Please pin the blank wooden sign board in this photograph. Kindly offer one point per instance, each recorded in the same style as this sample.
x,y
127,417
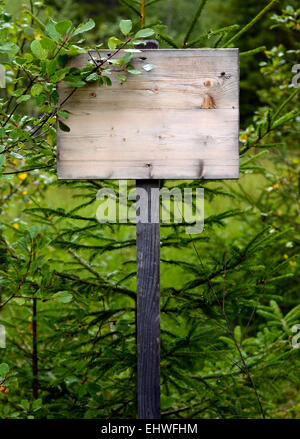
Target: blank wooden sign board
x,y
179,119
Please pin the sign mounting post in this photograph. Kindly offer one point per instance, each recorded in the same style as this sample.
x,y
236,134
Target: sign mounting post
x,y
148,306
148,297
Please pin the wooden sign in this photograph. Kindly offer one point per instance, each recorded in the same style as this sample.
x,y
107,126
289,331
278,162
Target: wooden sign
x,y
179,119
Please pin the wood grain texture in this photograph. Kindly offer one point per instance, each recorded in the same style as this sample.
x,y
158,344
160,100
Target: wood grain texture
x,y
148,308
180,120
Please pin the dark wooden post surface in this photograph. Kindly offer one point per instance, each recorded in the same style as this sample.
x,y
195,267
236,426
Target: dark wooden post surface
x,y
148,307
148,299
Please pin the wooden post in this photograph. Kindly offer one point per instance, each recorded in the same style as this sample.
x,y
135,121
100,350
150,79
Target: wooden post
x,y
148,307
148,298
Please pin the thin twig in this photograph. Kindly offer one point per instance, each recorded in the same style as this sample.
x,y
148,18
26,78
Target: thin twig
x,y
7,300
142,14
26,170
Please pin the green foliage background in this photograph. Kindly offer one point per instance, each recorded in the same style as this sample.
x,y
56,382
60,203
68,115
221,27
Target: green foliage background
x,y
230,296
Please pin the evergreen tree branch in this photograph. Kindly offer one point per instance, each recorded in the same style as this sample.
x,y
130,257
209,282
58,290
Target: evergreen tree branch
x,y
252,23
281,107
230,331
194,21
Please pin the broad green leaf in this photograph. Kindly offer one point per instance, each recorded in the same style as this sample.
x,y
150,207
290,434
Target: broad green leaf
x,y
64,127
122,78
75,50
48,44
19,92
113,43
127,57
125,26
84,27
23,98
63,27
92,77
59,75
36,89
133,71
20,60
55,97
62,60
38,50
9,48
75,82
138,42
144,33
50,67
4,369
63,114
51,31
107,80
117,62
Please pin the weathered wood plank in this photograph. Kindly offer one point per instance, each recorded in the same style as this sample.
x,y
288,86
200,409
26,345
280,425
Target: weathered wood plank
x,y
148,309
185,108
165,170
199,150
176,81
